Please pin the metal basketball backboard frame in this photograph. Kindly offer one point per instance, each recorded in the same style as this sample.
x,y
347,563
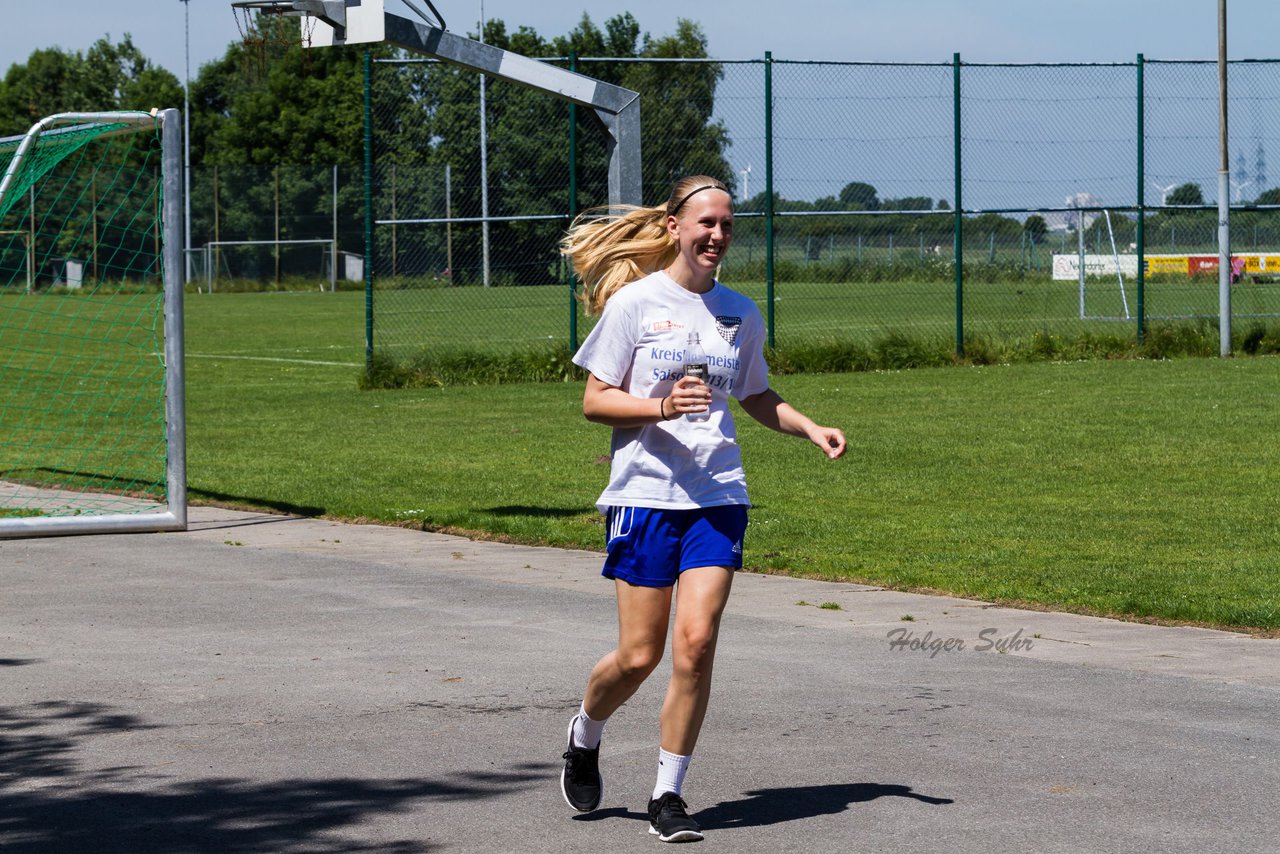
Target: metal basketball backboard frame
x,y
339,22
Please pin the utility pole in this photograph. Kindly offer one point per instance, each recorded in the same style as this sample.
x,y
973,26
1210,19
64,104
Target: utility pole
x,y
1224,194
186,149
484,167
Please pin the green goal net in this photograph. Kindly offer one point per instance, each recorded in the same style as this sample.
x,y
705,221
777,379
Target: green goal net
x,y
91,380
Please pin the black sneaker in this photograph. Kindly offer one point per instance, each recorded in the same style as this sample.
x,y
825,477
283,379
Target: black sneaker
x,y
669,819
580,781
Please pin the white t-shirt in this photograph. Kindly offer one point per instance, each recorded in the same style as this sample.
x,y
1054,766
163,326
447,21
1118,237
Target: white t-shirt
x,y
638,346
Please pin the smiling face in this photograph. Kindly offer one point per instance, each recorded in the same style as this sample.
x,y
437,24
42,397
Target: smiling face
x,y
702,230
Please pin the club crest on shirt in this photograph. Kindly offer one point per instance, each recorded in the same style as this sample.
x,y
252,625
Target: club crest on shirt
x,y
728,327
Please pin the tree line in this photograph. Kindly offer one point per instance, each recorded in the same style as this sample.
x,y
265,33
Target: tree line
x,y
268,103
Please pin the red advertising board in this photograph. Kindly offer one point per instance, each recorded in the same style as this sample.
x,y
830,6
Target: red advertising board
x,y
1209,264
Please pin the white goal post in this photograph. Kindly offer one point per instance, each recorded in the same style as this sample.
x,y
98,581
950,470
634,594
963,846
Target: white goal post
x,y
93,391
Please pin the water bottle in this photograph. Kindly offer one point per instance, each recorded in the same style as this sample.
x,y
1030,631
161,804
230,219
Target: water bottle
x,y
695,365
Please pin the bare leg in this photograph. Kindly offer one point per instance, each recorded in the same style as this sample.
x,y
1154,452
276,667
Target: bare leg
x,y
643,614
701,595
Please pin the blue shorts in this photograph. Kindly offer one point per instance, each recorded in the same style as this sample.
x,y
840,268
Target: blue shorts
x,y
650,548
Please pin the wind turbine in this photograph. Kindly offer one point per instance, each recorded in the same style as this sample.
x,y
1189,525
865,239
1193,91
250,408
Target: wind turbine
x,y
1164,191
746,182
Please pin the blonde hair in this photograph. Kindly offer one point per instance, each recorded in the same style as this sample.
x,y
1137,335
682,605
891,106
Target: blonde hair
x,y
611,247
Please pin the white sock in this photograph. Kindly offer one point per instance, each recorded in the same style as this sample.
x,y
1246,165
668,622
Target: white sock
x,y
671,769
587,732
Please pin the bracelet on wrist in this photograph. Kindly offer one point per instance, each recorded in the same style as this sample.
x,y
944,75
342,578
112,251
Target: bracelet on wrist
x,y
662,409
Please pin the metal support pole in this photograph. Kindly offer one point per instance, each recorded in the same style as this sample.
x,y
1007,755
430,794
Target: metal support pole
x,y
93,216
573,206
618,109
31,225
333,270
275,179
448,226
368,209
959,214
395,245
186,148
1224,194
1080,256
484,167
768,191
174,352
1142,208
212,261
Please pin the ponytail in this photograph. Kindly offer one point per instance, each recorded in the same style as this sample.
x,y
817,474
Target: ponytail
x,y
610,250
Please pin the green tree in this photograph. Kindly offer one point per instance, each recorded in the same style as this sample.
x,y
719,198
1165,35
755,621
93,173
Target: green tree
x,y
858,196
269,123
289,105
106,77
1035,227
1268,197
1186,194
528,149
1123,229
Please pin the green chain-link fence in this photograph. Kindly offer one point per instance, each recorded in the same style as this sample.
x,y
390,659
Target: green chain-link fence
x,y
857,186
266,226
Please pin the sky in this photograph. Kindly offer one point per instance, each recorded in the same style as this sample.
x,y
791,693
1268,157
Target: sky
x,y
1089,147
880,30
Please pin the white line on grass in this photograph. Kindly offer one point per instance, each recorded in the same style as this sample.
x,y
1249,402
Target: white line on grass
x,y
272,359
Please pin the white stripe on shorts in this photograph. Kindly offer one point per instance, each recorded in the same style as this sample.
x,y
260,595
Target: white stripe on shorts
x,y
620,521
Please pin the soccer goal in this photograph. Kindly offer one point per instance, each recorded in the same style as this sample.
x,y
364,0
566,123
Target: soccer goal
x,y
1101,300
266,260
92,411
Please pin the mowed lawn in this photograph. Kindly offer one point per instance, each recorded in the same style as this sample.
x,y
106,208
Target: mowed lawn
x,y
1145,489
440,320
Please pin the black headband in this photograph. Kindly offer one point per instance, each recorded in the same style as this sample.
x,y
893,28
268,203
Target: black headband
x,y
693,192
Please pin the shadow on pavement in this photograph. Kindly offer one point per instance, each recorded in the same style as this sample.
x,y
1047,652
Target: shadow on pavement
x,y
775,806
49,804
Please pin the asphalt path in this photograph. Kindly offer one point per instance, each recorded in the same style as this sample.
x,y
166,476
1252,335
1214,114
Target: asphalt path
x,y
265,683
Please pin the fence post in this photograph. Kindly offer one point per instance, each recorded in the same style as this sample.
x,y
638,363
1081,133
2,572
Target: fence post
x,y
573,206
333,267
1224,194
212,258
959,215
368,209
275,180
1142,209
768,192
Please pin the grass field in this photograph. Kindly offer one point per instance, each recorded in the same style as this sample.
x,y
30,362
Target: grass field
x,y
81,399
441,320
1144,489
1136,488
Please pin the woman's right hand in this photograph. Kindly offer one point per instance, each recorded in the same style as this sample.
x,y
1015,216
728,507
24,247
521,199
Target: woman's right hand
x,y
689,394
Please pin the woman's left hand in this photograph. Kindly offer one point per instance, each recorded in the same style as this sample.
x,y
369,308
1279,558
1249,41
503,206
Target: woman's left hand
x,y
829,439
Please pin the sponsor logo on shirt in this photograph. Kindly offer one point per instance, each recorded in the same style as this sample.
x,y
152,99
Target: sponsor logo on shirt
x,y
728,327
667,325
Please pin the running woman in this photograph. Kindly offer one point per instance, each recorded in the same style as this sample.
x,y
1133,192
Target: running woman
x,y
676,503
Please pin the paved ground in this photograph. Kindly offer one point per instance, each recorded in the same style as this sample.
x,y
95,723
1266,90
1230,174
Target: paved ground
x,y
263,683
